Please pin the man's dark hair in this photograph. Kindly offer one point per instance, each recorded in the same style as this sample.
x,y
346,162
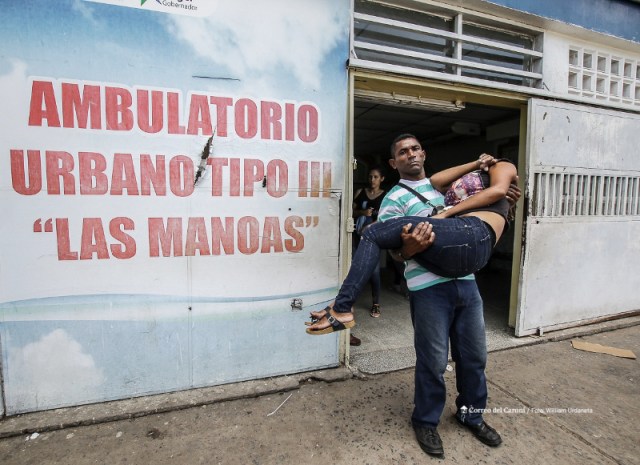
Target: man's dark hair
x,y
398,139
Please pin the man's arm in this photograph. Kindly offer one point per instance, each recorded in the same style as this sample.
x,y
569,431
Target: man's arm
x,y
415,241
514,192
421,238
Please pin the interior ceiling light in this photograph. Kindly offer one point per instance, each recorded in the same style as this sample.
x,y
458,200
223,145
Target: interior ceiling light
x,y
408,101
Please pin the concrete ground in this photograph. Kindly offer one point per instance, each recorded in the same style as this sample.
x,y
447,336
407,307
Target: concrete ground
x,y
552,404
387,341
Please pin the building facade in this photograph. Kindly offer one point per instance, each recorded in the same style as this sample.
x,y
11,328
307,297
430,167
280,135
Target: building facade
x,y
177,175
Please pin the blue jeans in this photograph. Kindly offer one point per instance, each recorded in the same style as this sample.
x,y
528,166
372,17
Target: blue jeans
x,y
463,246
448,311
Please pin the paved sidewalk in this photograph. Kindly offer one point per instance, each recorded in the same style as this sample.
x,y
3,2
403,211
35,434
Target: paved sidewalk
x,y
552,404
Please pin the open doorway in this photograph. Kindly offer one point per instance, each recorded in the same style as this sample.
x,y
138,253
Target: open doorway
x,y
450,135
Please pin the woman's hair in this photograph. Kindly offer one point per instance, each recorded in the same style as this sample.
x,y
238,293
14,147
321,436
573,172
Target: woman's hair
x,y
377,168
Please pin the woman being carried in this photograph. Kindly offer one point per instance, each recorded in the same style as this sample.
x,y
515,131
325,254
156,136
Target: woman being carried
x,y
474,219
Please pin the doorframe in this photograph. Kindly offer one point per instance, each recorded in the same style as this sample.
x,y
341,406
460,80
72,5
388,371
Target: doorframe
x,y
426,88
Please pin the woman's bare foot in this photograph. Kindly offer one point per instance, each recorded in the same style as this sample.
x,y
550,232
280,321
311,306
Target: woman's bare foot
x,y
315,317
321,324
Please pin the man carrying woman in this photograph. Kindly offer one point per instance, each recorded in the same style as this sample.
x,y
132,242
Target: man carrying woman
x,y
444,300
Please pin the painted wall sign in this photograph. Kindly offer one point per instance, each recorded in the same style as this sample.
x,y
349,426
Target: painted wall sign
x,y
169,182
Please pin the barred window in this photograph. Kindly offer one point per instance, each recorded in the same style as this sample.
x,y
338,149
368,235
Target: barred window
x,y
563,194
415,38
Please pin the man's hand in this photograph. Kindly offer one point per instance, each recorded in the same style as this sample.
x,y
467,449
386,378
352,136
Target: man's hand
x,y
413,242
514,193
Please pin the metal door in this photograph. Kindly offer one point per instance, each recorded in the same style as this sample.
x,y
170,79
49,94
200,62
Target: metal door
x,y
581,248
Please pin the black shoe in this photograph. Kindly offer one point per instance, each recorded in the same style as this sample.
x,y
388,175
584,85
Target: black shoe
x,y
485,433
429,440
354,341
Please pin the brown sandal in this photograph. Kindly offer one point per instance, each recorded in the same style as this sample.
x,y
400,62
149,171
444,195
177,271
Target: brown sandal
x,y
375,311
334,324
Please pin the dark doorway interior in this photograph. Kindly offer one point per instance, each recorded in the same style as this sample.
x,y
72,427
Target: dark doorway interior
x,y
449,138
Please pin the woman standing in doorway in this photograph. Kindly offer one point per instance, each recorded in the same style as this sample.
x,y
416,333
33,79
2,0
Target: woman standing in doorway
x,y
366,204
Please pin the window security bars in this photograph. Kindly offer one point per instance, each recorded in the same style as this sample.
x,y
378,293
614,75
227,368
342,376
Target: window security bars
x,y
416,38
563,195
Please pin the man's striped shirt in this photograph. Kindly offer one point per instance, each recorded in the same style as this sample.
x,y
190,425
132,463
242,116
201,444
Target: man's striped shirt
x,y
401,202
